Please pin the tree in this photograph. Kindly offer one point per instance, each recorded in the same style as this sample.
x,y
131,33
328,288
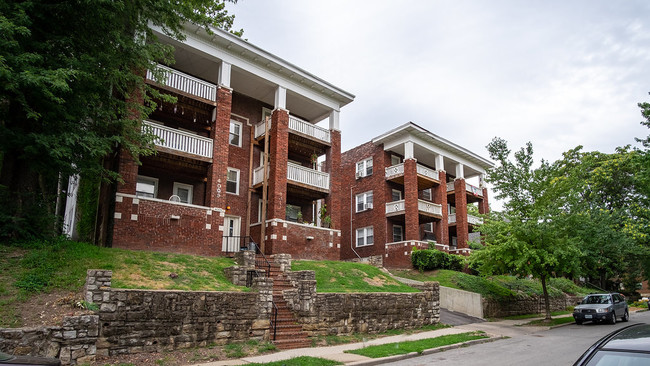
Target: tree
x,y
529,237
71,91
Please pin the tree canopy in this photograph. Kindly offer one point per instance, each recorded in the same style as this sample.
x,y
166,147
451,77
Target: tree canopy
x,y
70,92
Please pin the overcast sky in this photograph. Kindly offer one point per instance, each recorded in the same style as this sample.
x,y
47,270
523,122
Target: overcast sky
x,y
556,73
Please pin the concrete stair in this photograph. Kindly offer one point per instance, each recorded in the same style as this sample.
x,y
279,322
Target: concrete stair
x,y
288,332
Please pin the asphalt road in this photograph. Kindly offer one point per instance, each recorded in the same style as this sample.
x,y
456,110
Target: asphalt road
x,y
557,347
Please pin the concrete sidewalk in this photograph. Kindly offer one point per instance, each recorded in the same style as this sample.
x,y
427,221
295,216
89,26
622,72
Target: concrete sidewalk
x,y
496,330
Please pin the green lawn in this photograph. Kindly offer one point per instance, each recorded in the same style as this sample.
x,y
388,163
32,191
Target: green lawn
x,y
494,287
334,276
401,348
299,361
60,264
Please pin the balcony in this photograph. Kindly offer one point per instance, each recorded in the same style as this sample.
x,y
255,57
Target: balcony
x,y
476,191
299,175
179,142
185,84
300,127
425,208
472,220
427,177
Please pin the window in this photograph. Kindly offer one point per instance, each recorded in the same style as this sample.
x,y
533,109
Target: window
x,y
235,133
396,195
364,168
426,194
232,183
428,227
364,201
146,187
292,213
394,160
365,236
183,191
398,233
259,210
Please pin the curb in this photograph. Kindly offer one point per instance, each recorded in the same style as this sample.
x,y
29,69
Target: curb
x,y
379,361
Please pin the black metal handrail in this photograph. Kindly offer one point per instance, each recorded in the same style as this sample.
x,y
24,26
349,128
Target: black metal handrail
x,y
261,262
274,319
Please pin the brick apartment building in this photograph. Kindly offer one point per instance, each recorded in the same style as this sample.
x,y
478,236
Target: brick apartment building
x,y
202,193
408,187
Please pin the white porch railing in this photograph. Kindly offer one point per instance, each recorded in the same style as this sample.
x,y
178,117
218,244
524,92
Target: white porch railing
x,y
473,189
186,83
470,219
300,174
429,207
394,171
309,129
300,126
450,186
395,207
182,141
258,175
429,173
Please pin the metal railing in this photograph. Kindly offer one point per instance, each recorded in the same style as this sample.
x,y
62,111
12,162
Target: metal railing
x,y
274,319
182,141
185,83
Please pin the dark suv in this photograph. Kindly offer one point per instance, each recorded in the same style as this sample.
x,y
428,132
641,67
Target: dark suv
x,y
598,307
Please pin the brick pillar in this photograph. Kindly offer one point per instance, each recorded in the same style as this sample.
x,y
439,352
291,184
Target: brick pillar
x,y
277,183
218,170
483,206
333,201
128,170
440,196
461,213
412,220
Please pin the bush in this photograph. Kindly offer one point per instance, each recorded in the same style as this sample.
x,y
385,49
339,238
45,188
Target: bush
x,y
430,259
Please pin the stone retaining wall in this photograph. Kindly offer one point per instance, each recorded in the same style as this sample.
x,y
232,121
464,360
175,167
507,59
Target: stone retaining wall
x,y
526,305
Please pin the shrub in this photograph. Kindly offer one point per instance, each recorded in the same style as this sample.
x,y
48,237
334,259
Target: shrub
x,y
430,259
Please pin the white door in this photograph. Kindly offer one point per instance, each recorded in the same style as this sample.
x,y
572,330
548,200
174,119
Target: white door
x,y
231,234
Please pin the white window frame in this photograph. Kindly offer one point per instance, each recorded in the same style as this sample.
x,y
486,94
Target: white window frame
x,y
401,233
393,191
190,191
428,227
236,183
144,179
266,112
427,192
365,233
363,167
259,210
365,199
241,132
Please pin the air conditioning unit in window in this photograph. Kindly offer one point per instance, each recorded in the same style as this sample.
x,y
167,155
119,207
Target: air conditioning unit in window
x,y
368,206
358,175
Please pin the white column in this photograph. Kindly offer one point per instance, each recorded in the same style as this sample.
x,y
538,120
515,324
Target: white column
x,y
280,98
224,74
460,171
481,180
440,163
334,120
408,150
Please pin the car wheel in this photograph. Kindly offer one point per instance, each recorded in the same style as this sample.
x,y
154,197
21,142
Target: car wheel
x,y
626,316
613,319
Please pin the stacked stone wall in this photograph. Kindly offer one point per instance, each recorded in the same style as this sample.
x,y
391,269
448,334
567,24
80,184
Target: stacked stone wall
x,y
526,305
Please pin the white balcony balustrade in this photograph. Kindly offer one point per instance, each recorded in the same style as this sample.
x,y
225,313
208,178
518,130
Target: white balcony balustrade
x,y
429,208
427,172
185,83
185,142
473,189
394,171
298,174
303,175
450,186
473,220
395,207
297,125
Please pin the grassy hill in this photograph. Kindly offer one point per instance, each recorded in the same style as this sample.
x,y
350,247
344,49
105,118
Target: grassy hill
x,y
495,287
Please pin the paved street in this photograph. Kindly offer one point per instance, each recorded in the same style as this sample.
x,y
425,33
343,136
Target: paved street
x,y
527,346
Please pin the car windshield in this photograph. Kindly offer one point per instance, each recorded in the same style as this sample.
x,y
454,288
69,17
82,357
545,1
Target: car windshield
x,y
596,299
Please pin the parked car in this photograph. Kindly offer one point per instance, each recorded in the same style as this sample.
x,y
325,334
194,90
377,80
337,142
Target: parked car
x,y
628,346
599,307
6,359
